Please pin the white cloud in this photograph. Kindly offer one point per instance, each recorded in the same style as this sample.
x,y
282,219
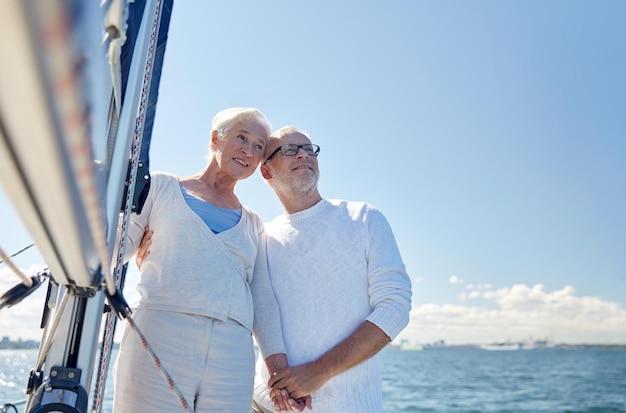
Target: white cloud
x,y
455,280
520,312
485,314
478,287
474,294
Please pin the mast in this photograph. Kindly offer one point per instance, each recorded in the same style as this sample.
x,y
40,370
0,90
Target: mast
x,y
75,125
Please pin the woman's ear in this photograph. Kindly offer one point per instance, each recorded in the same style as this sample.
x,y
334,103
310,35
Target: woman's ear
x,y
213,140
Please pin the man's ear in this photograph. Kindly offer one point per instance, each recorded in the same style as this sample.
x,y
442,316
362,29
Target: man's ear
x,y
265,171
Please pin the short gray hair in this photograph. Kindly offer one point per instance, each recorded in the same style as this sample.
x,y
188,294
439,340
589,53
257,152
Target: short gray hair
x,y
226,118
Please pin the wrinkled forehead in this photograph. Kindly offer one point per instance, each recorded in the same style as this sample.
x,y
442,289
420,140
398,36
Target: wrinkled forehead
x,y
289,137
250,127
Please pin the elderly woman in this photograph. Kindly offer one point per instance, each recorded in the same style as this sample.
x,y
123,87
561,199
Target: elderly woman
x,y
196,289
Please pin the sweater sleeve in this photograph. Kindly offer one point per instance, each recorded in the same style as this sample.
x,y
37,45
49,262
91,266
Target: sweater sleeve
x,y
389,284
138,222
267,328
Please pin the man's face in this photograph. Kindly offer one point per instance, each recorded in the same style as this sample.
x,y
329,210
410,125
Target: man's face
x,y
296,174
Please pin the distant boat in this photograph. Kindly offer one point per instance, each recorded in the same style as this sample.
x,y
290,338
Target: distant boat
x,y
406,345
501,346
538,344
411,347
520,345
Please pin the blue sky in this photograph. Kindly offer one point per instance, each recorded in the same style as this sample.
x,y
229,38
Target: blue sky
x,y
491,134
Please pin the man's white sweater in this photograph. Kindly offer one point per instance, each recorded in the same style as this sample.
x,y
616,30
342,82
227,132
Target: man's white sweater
x,y
332,267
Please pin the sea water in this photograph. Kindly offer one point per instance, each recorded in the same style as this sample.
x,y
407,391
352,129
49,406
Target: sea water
x,y
476,381
450,380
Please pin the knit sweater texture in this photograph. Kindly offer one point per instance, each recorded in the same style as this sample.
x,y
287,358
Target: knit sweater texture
x,y
332,267
192,270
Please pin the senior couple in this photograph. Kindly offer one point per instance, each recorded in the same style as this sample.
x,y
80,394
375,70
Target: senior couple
x,y
322,286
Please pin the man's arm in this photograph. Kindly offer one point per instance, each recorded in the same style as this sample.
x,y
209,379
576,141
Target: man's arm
x,y
367,340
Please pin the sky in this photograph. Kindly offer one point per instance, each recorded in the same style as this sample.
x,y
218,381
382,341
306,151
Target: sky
x,y
491,134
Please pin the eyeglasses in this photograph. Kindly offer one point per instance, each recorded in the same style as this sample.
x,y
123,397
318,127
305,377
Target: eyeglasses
x,y
292,149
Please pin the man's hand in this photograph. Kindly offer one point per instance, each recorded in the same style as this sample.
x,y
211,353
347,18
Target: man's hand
x,y
144,247
300,381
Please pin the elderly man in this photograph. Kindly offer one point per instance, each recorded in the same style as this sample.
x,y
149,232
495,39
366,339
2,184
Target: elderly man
x,y
340,283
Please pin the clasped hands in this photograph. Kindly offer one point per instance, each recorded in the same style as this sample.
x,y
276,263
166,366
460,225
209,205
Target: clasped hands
x,y
291,387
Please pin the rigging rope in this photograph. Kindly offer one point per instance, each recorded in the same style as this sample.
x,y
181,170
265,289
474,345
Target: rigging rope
x,y
5,408
15,254
7,260
157,363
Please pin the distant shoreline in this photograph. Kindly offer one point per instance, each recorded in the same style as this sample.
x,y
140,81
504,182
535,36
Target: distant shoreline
x,y
559,346
6,344
33,345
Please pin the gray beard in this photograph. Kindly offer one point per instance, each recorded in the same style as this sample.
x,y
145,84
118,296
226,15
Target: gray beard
x,y
299,186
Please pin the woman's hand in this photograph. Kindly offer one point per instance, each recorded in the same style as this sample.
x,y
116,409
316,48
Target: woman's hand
x,y
284,402
144,247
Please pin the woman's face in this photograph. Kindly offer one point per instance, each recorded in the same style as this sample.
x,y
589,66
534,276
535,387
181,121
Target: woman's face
x,y
241,149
